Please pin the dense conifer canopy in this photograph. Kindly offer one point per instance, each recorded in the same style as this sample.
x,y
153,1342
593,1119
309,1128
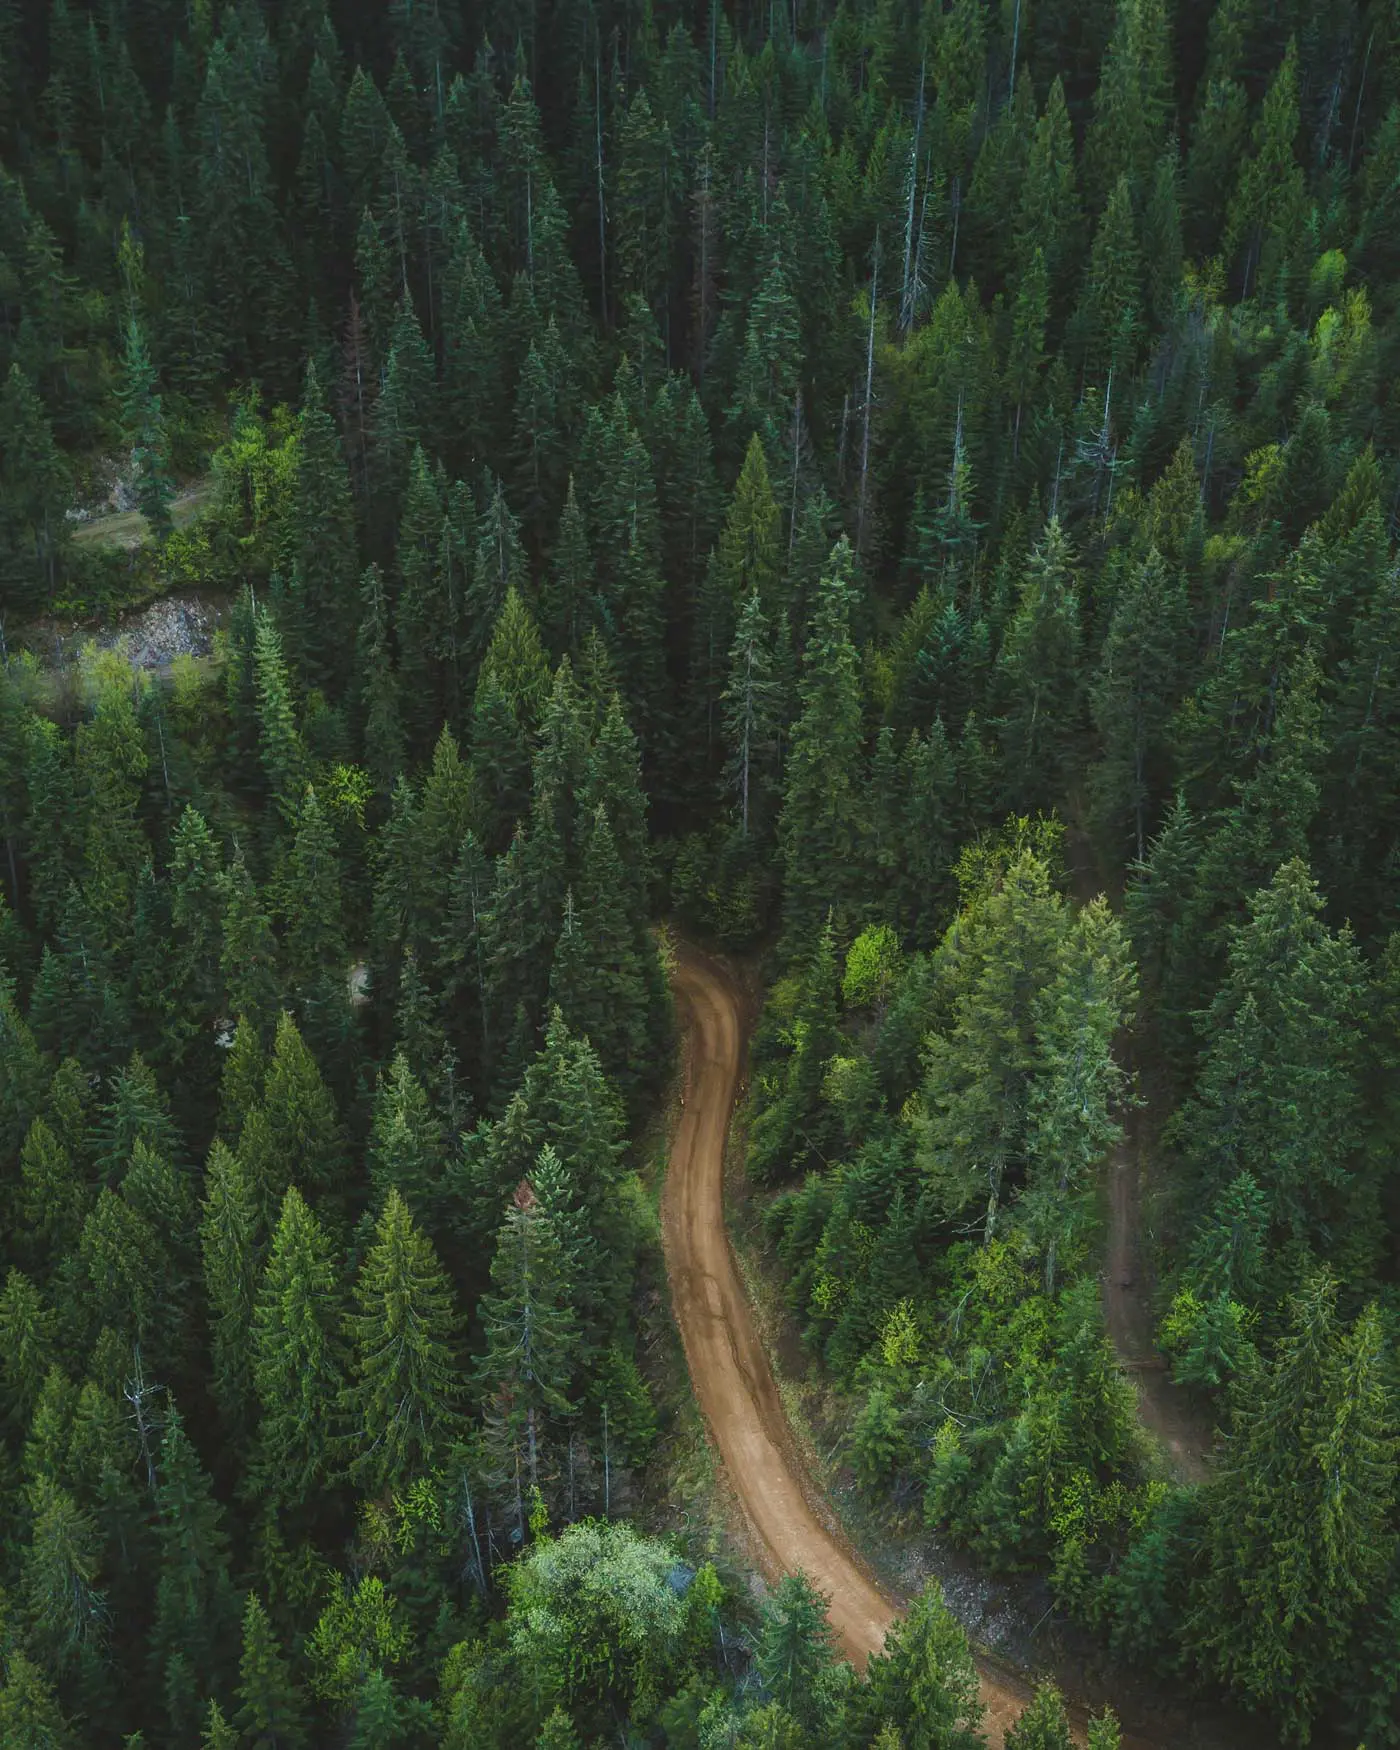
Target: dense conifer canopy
x,y
903,493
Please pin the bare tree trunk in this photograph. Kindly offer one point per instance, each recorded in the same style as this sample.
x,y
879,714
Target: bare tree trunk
x,y
796,453
704,292
746,743
598,162
714,10
136,1391
994,1173
957,215
478,1563
1360,93
863,501
906,301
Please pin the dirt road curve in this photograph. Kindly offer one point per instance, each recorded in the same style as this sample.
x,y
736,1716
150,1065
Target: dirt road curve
x,y
729,1368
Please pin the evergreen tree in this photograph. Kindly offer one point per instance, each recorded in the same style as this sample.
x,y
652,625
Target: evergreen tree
x,y
418,611
1109,319
998,958
145,432
323,520
1048,216
30,1717
1039,673
405,414
310,905
769,376
297,1363
196,1611
1044,1725
1267,208
746,560
126,1279
376,685
1297,1535
1278,1094
796,1128
406,1150
284,756
294,1133
193,948
401,1400
531,1344
1133,697
240,1086
563,1102
566,596
924,1683
60,1566
795,1655
53,1197
819,831
27,1331
270,1710
33,494
511,690
596,980
248,960
752,704
229,1239
1133,104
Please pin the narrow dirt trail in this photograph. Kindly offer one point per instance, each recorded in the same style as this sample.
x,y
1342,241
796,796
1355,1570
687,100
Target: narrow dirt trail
x,y
729,1367
1164,1409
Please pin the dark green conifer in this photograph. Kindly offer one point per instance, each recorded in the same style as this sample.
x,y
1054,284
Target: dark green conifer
x,y
401,1403
193,1636
823,810
271,1714
298,1362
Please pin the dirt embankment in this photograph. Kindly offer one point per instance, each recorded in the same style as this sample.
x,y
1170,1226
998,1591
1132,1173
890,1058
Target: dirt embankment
x,y
182,623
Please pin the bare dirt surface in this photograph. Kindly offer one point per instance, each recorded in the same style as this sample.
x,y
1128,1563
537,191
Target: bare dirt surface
x,y
789,1523
180,624
1164,1409
729,1367
1183,1433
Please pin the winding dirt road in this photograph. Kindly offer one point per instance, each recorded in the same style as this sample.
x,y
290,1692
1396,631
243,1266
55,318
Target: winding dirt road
x,y
729,1368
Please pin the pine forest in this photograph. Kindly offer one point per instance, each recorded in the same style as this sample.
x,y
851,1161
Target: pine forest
x,y
567,566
